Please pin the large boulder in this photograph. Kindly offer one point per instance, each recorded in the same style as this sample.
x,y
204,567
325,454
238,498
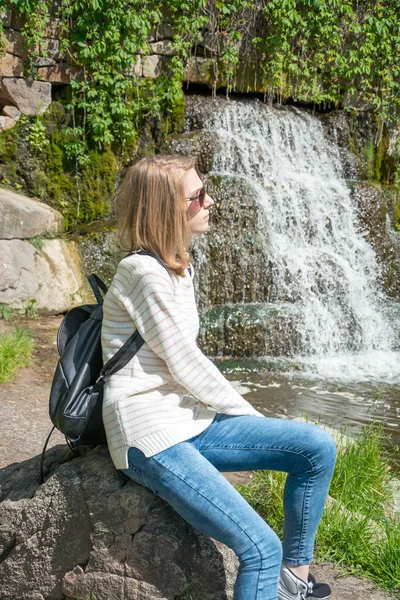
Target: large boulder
x,y
23,217
89,531
51,274
30,97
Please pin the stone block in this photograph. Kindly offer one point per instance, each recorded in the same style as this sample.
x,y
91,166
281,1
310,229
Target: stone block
x,y
137,68
23,217
199,70
51,275
152,66
60,73
18,20
14,43
53,48
11,66
44,61
30,97
53,29
6,123
49,48
6,17
164,31
12,112
163,47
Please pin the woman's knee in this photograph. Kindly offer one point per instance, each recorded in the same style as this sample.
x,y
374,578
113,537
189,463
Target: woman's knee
x,y
267,550
323,448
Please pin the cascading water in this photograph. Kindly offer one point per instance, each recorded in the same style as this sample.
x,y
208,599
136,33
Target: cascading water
x,y
319,257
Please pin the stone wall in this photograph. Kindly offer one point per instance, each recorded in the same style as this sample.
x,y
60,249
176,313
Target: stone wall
x,y
37,266
53,67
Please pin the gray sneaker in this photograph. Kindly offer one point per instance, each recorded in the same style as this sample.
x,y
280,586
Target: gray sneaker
x,y
292,587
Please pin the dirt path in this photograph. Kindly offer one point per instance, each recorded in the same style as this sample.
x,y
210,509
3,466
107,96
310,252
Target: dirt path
x,y
25,424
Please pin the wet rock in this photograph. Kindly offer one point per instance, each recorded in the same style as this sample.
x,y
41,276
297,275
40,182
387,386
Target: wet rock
x,y
249,330
99,251
30,97
200,70
91,530
50,274
23,217
202,145
337,129
376,208
231,262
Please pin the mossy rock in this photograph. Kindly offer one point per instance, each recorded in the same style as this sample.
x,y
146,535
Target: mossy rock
x,y
377,214
99,251
250,330
44,169
232,259
202,145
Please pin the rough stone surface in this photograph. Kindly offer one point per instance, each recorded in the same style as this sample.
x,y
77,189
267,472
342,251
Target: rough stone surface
x,y
164,47
60,73
376,208
90,530
6,123
137,68
44,61
200,70
30,97
12,112
14,42
202,145
23,217
53,28
11,66
18,20
6,17
152,66
52,276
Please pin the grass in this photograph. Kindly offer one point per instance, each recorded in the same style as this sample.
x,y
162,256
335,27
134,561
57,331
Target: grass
x,y
359,529
6,312
15,351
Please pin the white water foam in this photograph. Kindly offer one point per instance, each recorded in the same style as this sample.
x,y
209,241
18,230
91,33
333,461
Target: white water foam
x,y
321,260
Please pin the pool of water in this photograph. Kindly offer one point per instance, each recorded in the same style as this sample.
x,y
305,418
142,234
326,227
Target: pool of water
x,y
337,403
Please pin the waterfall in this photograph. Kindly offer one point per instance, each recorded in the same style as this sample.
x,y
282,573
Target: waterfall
x,y
318,256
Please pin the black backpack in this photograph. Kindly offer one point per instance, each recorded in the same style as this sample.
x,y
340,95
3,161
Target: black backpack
x,y
76,396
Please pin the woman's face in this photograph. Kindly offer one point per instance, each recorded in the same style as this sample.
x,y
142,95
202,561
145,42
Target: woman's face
x,y
198,223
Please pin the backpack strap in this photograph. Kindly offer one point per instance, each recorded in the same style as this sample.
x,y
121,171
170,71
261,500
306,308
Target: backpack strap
x,y
122,357
95,284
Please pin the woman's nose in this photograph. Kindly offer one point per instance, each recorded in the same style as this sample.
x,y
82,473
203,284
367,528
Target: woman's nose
x,y
208,201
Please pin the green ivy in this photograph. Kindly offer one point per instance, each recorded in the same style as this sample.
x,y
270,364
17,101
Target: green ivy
x,y
308,50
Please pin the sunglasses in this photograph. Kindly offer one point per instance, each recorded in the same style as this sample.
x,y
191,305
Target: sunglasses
x,y
196,201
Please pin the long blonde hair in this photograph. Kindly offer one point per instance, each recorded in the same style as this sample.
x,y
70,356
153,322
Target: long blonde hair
x,y
151,210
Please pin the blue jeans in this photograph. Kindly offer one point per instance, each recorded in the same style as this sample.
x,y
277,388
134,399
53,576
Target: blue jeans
x,y
188,477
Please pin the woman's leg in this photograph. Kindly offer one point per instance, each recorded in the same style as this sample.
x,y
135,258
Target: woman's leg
x,y
205,499
305,451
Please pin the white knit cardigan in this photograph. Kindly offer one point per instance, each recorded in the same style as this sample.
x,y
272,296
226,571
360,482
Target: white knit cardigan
x,y
165,393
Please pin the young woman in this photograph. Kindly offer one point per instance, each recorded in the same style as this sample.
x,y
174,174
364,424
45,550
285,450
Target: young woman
x,y
173,422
